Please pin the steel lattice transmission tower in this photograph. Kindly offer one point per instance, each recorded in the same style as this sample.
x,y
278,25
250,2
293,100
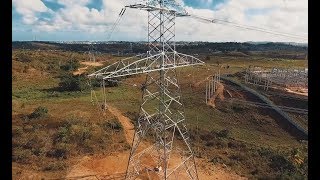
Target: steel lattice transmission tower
x,y
161,112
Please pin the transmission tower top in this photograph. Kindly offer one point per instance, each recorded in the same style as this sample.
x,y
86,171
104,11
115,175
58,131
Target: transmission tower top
x,y
169,6
162,54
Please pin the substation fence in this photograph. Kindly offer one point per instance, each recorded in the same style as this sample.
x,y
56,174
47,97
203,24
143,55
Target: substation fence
x,y
281,77
269,102
270,93
212,85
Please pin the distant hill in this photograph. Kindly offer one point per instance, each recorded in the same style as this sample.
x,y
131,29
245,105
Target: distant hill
x,y
287,43
269,49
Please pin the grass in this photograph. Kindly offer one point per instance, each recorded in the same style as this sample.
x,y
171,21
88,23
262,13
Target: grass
x,y
34,86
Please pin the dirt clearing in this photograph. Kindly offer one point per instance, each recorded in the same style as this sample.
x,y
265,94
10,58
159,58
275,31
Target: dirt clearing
x,y
87,64
114,166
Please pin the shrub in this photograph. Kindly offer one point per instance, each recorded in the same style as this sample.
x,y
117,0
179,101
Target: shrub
x,y
236,145
39,112
265,152
218,159
75,132
69,82
25,69
34,142
21,155
112,83
82,136
17,130
281,164
24,58
237,108
53,67
55,166
60,150
112,124
208,136
290,175
223,133
71,65
210,143
238,156
62,135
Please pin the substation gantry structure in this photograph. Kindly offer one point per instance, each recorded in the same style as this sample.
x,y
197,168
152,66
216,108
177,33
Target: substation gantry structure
x,y
161,112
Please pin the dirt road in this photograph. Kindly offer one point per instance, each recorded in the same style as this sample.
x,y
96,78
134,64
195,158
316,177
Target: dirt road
x,y
126,123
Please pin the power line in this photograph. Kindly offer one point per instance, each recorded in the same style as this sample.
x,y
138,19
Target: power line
x,y
123,10
246,27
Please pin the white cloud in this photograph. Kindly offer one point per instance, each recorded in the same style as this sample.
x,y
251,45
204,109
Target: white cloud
x,y
290,17
74,2
29,8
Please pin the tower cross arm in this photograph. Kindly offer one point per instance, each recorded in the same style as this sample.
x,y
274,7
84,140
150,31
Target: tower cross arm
x,y
167,7
146,65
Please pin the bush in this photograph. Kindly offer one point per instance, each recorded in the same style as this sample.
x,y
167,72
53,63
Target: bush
x,y
236,145
40,112
281,164
75,132
55,166
208,136
112,124
17,131
265,152
237,108
223,133
24,58
21,155
71,65
34,142
53,67
60,150
69,82
76,136
239,156
290,175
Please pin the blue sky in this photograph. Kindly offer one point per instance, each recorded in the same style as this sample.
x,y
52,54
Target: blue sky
x,y
204,4
58,20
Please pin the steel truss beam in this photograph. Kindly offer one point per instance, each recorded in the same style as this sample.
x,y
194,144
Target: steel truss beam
x,y
149,64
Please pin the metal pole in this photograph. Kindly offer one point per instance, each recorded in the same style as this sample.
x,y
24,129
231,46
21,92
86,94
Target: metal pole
x,y
209,90
214,83
206,93
104,95
212,90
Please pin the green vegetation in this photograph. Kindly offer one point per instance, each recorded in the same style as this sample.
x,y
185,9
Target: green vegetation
x,y
70,82
24,58
40,112
251,159
243,138
71,65
55,166
113,124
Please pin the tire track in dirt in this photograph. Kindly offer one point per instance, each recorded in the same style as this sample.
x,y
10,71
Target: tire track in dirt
x,y
128,127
